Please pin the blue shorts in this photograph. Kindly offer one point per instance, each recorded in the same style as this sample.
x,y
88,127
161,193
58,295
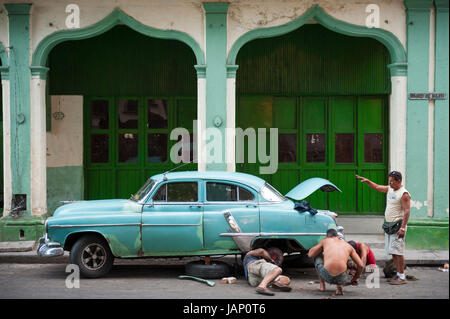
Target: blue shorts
x,y
340,279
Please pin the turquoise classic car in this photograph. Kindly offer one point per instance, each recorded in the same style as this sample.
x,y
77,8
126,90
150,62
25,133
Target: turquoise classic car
x,y
187,214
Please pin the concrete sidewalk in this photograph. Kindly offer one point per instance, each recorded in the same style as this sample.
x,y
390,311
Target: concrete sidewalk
x,y
366,229
376,242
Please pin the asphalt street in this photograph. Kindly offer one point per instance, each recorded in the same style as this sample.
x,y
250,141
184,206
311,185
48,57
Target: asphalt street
x,y
49,281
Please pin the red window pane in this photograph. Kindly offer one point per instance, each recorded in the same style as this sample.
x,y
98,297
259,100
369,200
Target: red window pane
x,y
315,148
373,148
344,148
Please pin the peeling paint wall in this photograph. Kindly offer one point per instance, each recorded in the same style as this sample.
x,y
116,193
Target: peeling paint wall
x,y
65,140
50,16
65,177
244,16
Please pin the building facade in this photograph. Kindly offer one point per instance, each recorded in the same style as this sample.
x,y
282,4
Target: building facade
x,y
94,93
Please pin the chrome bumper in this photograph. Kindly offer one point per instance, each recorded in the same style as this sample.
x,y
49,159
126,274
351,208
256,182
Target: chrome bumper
x,y
49,249
340,231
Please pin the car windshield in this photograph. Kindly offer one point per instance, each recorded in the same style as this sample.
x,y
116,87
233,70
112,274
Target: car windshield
x,y
144,190
271,194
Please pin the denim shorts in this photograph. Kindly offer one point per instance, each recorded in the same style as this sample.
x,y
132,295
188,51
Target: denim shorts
x,y
340,279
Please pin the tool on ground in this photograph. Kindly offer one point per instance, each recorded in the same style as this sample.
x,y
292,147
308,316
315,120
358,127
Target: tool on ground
x,y
208,282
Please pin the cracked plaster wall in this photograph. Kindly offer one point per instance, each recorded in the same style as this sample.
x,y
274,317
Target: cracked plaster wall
x,y
188,15
244,16
50,16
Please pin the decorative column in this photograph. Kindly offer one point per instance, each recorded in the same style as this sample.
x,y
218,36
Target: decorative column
x,y
397,118
418,40
216,83
441,115
230,140
38,185
19,79
425,231
18,223
201,117
7,184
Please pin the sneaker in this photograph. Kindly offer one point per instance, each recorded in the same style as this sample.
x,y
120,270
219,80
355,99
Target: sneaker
x,y
397,281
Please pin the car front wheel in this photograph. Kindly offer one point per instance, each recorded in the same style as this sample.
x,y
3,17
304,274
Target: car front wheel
x,y
92,255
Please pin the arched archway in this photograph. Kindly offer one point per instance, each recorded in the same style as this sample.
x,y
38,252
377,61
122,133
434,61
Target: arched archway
x,y
43,49
397,112
40,70
395,48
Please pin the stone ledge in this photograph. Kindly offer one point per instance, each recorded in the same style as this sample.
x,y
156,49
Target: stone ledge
x,y
16,246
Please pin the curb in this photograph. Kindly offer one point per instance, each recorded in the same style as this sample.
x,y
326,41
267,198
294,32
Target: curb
x,y
433,258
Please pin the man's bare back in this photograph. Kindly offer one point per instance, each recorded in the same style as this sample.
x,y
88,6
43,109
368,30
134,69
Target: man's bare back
x,y
335,254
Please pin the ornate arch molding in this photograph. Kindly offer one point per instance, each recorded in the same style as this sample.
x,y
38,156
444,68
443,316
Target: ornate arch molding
x,y
44,47
389,40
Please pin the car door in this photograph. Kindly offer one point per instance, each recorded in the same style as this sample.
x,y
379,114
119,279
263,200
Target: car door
x,y
237,199
172,222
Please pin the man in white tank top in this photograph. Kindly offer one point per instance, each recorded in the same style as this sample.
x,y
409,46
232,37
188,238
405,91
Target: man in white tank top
x,y
397,208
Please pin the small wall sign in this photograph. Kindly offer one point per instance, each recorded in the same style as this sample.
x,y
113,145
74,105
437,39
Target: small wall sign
x,y
427,96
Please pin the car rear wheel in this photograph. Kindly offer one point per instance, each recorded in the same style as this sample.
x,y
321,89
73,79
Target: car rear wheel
x,y
92,255
214,270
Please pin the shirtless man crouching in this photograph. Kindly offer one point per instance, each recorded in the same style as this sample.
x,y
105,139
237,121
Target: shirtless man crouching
x,y
330,258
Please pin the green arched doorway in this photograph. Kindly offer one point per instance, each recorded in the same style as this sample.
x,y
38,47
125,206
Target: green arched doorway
x,y
327,93
135,90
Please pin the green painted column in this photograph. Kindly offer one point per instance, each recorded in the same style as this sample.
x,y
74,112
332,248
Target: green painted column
x,y
20,76
441,113
24,226
418,39
425,232
216,76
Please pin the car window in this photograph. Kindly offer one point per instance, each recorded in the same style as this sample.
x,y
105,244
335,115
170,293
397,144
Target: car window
x,y
245,195
177,192
222,192
161,194
271,194
144,190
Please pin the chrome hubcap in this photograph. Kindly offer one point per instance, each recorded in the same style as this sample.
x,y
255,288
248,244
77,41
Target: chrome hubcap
x,y
93,256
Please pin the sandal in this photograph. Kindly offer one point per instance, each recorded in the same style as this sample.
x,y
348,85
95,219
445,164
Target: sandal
x,y
280,286
264,291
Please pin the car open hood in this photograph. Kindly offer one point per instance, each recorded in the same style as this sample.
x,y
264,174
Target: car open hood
x,y
309,186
